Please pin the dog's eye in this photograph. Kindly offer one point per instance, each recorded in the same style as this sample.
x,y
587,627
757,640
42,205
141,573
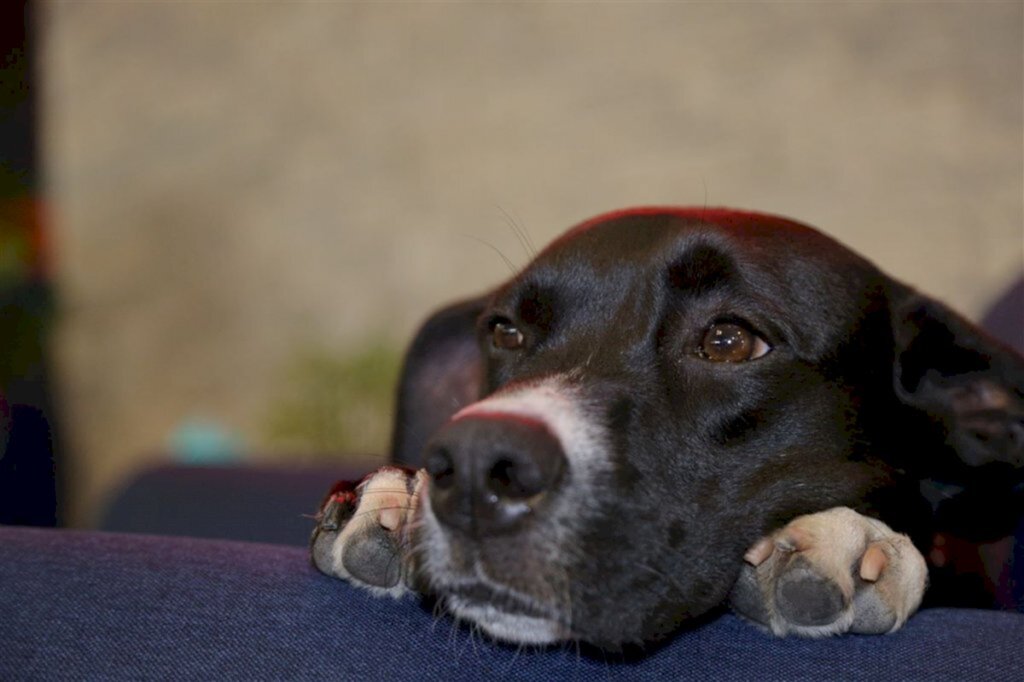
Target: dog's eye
x,y
506,336
729,342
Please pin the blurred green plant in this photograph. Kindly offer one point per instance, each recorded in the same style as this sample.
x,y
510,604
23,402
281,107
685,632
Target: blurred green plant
x,y
333,403
14,255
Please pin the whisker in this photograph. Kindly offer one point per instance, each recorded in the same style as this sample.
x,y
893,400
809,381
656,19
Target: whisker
x,y
526,233
496,250
520,233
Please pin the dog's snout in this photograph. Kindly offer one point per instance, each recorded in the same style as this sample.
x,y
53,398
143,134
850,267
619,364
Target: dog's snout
x,y
491,472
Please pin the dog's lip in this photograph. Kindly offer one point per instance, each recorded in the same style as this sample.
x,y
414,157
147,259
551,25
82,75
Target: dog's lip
x,y
479,594
507,615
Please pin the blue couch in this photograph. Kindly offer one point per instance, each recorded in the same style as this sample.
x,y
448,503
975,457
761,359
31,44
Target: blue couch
x,y
129,604
98,605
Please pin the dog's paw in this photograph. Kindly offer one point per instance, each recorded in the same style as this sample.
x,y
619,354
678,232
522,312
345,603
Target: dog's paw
x,y
829,573
362,533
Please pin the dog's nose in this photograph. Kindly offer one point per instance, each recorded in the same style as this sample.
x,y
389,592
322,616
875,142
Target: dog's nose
x,y
489,473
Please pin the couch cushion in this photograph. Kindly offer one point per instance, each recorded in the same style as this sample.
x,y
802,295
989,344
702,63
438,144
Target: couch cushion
x,y
252,503
88,605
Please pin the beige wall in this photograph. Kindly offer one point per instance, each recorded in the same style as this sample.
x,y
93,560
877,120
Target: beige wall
x,y
233,181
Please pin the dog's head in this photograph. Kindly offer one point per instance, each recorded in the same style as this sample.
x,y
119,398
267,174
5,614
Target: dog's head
x,y
610,430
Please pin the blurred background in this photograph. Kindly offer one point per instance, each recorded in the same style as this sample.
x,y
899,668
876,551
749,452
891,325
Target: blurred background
x,y
221,222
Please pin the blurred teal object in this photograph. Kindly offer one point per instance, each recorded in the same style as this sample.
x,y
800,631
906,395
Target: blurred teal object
x,y
204,442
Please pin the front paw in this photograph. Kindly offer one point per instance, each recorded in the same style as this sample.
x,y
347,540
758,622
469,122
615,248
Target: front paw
x,y
832,572
362,533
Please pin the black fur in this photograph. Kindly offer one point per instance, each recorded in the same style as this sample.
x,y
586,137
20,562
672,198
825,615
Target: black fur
x,y
871,394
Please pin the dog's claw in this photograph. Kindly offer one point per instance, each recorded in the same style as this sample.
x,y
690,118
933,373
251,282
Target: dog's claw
x,y
761,550
361,533
328,516
873,563
832,572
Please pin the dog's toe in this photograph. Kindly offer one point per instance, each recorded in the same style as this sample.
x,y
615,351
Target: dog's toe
x,y
872,614
322,551
335,513
372,556
361,534
832,572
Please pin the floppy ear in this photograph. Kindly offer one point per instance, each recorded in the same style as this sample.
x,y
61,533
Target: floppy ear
x,y
443,372
969,384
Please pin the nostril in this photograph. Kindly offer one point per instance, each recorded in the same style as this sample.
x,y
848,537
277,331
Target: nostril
x,y
441,468
491,472
512,480
503,479
501,474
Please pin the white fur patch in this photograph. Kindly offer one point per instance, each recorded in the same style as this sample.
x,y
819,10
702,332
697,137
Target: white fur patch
x,y
508,627
558,406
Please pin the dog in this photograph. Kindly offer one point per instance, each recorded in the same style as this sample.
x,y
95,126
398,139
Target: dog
x,y
672,409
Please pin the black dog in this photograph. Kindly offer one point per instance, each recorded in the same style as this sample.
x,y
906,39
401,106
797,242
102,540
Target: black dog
x,y
672,408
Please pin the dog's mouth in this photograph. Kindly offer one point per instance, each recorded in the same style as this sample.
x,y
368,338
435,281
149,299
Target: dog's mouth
x,y
503,599
505,613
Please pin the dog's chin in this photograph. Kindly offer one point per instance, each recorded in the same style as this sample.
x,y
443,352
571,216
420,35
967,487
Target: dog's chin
x,y
502,612
506,626
474,592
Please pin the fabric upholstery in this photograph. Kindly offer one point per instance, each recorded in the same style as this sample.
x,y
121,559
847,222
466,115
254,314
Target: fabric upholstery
x,y
251,503
91,605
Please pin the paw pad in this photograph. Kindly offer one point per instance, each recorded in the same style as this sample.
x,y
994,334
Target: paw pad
x,y
361,530
807,598
831,572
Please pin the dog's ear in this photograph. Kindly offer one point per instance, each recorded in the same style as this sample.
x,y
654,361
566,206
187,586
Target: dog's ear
x,y
443,372
970,386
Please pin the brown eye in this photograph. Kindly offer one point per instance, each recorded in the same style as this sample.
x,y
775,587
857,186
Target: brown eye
x,y
728,342
506,336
